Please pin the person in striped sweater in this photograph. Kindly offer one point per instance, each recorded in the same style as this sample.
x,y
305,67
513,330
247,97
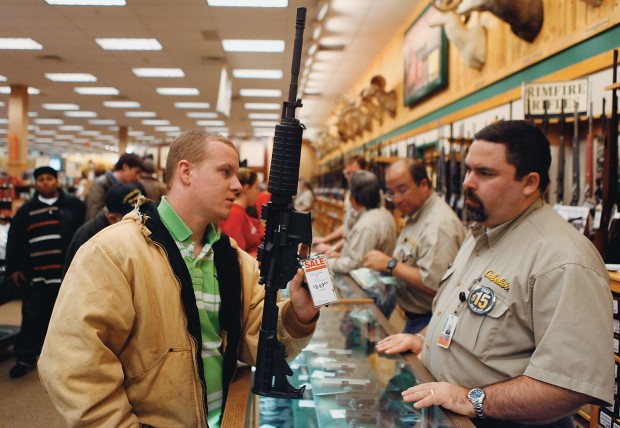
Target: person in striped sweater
x,y
37,241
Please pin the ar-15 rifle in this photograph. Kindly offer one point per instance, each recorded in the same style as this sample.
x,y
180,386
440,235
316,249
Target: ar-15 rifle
x,y
576,176
560,180
284,231
589,189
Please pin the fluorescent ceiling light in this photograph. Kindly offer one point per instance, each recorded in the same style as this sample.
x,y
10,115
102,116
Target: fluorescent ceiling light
x,y
167,128
248,3
263,124
263,132
192,105
262,106
19,43
247,73
102,122
80,114
94,90
46,132
237,45
210,123
86,2
7,90
81,140
202,115
178,91
158,72
322,11
91,133
44,140
140,114
275,93
121,104
112,44
48,121
33,114
2,78
59,106
4,121
135,133
1,104
71,77
155,122
220,129
71,128
263,116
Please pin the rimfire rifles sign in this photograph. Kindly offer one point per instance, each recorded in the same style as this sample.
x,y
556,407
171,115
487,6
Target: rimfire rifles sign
x,y
537,96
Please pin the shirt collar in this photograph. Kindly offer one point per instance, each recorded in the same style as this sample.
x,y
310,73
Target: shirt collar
x,y
177,227
427,202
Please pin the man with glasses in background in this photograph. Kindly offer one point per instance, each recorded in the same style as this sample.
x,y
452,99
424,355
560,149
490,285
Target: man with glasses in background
x,y
428,242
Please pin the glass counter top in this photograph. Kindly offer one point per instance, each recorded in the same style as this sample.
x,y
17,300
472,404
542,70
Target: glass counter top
x,y
349,384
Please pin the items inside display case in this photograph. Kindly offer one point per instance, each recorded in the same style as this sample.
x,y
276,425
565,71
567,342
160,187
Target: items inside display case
x,y
349,384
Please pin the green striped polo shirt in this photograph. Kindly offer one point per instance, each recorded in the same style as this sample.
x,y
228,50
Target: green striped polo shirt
x,y
206,289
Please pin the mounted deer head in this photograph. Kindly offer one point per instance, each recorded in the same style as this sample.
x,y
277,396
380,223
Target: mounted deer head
x,y
470,40
525,17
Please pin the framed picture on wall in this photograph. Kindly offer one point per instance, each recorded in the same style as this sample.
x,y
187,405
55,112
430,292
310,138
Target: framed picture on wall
x,y
425,52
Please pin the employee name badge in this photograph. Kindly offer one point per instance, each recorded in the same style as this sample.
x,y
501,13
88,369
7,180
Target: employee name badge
x,y
319,280
447,332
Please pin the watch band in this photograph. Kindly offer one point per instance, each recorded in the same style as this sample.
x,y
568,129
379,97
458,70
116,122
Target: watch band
x,y
391,265
476,397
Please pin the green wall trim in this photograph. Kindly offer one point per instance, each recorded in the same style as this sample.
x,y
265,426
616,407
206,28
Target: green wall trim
x,y
596,45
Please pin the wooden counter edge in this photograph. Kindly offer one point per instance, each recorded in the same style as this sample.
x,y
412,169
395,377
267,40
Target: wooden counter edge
x,y
236,410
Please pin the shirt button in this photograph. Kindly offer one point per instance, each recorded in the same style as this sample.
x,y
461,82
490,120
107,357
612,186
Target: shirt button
x,y
477,253
426,346
439,313
458,283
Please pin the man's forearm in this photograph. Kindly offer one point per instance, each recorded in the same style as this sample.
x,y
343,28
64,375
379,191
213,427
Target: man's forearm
x,y
527,399
410,275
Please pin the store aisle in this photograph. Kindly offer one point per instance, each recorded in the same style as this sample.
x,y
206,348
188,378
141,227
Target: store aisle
x,y
23,402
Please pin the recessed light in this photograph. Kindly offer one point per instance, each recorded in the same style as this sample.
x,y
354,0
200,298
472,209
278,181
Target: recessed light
x,y
71,128
80,114
263,116
7,90
202,115
178,91
70,77
158,72
2,78
247,73
102,122
262,106
96,90
263,124
237,45
121,104
59,106
219,129
90,133
19,43
156,122
192,105
210,123
48,121
86,2
140,114
112,44
271,93
248,3
167,129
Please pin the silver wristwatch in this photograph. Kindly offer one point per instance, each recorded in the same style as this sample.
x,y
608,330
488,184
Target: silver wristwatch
x,y
476,397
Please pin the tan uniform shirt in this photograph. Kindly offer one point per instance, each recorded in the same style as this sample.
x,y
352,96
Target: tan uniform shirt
x,y
552,316
429,240
374,229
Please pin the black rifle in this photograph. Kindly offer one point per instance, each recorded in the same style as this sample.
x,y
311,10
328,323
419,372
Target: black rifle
x,y
545,118
576,178
285,230
588,191
454,175
561,161
599,156
610,172
441,181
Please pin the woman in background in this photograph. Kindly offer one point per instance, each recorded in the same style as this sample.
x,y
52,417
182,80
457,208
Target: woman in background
x,y
247,231
304,199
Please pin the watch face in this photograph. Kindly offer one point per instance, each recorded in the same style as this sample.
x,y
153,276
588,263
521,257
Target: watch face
x,y
392,264
476,394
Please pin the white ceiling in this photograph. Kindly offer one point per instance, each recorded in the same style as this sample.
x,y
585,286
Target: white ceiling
x,y
190,32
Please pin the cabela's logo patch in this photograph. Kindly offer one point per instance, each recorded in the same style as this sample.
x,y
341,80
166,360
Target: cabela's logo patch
x,y
494,277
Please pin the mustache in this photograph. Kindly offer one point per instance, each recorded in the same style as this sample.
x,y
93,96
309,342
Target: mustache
x,y
470,194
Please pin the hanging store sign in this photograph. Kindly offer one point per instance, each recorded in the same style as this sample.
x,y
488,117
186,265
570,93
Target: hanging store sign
x,y
571,92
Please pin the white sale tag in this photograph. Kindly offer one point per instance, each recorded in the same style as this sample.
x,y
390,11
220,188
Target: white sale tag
x,y
319,280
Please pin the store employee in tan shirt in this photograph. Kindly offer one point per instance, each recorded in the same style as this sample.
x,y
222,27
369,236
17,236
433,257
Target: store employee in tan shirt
x,y
521,328
425,247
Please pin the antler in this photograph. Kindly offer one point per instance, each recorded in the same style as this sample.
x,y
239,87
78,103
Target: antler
x,y
446,5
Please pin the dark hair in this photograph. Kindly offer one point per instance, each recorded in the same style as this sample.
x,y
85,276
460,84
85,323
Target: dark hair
x,y
247,176
417,171
130,159
528,148
365,189
359,159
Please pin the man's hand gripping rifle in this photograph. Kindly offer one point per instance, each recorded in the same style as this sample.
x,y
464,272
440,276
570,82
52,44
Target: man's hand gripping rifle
x,y
285,230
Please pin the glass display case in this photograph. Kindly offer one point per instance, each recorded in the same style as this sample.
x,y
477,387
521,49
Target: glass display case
x,y
349,384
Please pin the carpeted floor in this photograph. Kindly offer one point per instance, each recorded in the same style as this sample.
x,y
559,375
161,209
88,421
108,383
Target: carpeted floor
x,y
23,402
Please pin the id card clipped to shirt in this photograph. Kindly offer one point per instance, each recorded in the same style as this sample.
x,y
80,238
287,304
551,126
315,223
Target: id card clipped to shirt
x,y
320,283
